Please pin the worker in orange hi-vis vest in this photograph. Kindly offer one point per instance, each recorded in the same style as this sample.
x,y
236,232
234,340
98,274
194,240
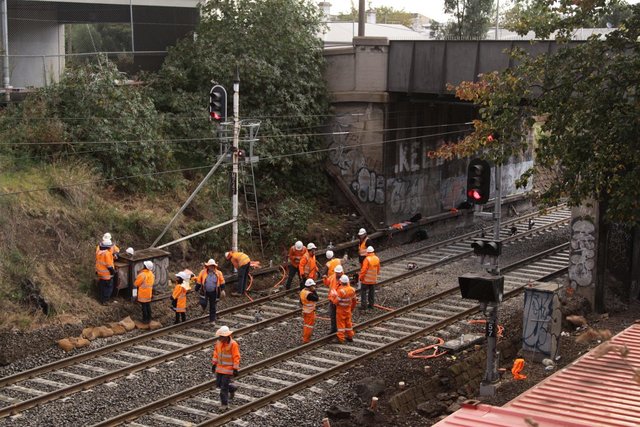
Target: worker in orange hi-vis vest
x,y
179,296
331,264
105,270
144,284
308,267
345,299
369,278
363,244
225,363
296,252
308,298
241,262
332,282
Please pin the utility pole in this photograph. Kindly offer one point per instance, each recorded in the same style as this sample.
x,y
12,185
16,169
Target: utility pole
x,y
361,20
5,49
133,46
234,158
497,17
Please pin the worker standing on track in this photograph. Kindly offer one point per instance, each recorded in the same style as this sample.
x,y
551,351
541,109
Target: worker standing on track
x,y
308,266
144,282
332,282
363,245
225,363
105,270
179,295
331,264
241,262
296,252
210,285
369,278
308,298
345,300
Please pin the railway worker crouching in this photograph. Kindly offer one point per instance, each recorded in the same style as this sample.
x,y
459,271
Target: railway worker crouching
x,y
241,262
210,285
345,300
225,363
332,282
369,278
308,267
144,284
363,245
296,252
179,296
308,298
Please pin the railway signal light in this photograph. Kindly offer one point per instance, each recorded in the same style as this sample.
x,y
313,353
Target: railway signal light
x,y
478,181
486,247
483,288
218,103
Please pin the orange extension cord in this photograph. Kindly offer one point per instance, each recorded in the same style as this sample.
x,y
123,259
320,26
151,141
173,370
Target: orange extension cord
x,y
414,353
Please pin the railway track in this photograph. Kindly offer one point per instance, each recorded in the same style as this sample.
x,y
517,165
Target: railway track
x,y
86,370
272,379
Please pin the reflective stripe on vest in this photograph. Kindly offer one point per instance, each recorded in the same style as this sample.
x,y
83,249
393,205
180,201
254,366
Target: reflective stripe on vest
x,y
241,258
307,306
371,275
344,302
225,359
102,264
307,267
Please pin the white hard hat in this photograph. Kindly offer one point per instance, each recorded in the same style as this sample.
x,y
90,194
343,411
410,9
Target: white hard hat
x,y
129,251
362,232
211,262
106,236
183,275
148,265
344,279
223,332
310,282
370,249
311,246
226,255
298,245
107,243
329,254
339,269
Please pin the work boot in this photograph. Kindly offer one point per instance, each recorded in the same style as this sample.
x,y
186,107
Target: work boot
x,y
232,393
350,339
224,408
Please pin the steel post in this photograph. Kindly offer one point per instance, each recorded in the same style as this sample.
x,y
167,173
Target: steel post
x,y
5,51
234,158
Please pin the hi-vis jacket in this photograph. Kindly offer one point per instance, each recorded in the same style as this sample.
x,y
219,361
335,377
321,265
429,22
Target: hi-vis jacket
x,y
370,270
296,255
180,295
104,260
144,283
238,259
226,357
308,267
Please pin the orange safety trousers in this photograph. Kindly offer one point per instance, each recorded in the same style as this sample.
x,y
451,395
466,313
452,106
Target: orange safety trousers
x,y
518,366
309,320
343,322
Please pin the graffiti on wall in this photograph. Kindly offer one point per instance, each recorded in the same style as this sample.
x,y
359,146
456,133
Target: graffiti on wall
x,y
364,179
453,191
406,195
541,331
582,259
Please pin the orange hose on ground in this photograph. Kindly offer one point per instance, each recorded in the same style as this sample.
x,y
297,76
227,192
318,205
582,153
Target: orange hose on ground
x,y
414,353
383,307
483,321
284,274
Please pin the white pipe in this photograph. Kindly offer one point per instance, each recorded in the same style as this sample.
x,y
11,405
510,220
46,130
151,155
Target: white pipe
x,y
197,233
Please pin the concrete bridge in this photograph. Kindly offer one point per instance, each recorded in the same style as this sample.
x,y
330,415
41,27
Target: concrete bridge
x,y
36,39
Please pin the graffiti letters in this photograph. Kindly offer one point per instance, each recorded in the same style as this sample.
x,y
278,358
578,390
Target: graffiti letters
x,y
582,259
368,186
406,194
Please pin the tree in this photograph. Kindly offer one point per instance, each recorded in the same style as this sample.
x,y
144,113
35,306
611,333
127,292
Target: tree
x,y
585,100
471,20
276,48
384,15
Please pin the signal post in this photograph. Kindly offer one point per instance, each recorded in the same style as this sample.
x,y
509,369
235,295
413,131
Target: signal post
x,y
487,288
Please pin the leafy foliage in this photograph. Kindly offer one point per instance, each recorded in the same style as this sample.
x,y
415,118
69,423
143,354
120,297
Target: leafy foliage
x,y
280,61
85,113
584,98
471,19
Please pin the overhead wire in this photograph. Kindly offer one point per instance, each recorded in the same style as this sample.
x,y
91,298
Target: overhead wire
x,y
113,179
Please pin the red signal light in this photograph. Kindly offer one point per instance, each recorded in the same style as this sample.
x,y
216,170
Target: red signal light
x,y
215,116
474,194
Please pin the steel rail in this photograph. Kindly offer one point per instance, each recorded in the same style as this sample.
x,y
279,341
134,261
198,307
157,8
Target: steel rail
x,y
83,385
259,402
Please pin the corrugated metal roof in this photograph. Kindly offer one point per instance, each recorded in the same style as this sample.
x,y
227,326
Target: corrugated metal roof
x,y
591,392
486,415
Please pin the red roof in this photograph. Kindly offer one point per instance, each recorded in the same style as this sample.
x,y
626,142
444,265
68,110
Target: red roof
x,y
591,392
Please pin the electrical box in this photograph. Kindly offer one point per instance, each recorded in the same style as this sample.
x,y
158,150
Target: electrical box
x,y
128,267
542,321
